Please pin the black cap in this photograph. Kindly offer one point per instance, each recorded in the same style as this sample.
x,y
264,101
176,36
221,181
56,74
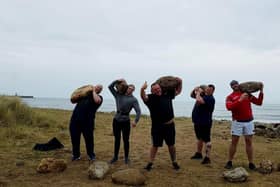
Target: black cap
x,y
233,82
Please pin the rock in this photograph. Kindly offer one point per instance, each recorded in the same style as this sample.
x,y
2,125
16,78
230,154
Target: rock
x,y
276,125
260,131
129,177
271,133
277,130
236,175
266,167
250,86
98,170
121,87
168,83
80,93
51,165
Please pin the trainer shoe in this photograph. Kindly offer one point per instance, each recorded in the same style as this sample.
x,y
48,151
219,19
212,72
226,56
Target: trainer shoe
x,y
206,160
76,158
127,161
91,158
175,165
148,167
252,166
114,159
197,156
229,165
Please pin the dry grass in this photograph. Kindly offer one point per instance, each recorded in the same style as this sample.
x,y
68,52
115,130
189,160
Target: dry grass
x,y
17,140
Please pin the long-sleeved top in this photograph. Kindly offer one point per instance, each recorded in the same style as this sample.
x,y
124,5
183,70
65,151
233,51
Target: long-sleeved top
x,y
124,104
242,110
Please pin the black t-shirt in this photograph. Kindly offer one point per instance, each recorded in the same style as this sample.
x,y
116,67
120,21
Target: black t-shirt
x,y
85,109
161,108
202,113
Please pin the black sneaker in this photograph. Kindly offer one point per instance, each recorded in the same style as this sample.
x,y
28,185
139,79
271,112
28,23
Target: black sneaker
x,y
76,158
175,165
91,158
197,156
148,167
229,165
114,159
127,161
206,160
252,166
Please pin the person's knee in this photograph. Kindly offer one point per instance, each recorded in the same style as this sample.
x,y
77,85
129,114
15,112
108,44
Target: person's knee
x,y
208,145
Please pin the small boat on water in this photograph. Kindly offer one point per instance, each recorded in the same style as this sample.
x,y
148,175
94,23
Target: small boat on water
x,y
26,96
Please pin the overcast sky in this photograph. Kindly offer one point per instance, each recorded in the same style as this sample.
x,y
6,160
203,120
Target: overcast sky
x,y
49,48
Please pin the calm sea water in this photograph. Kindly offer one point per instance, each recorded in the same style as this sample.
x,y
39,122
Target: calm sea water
x,y
269,113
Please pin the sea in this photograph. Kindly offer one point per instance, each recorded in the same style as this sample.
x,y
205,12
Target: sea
x,y
267,113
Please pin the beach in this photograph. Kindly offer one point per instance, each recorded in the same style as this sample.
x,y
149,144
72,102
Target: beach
x,y
16,144
268,112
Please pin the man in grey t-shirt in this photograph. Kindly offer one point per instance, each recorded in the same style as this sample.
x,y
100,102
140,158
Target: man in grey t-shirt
x,y
121,122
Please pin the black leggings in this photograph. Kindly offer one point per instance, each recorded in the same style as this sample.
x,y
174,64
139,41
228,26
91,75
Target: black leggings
x,y
124,128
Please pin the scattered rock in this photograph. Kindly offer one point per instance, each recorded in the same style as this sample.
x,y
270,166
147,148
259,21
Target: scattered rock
x,y
129,177
271,133
237,175
51,165
98,170
266,167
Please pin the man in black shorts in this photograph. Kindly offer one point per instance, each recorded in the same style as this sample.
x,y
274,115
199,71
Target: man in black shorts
x,y
202,119
162,114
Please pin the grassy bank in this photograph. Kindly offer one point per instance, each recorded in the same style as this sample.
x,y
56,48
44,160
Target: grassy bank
x,y
22,127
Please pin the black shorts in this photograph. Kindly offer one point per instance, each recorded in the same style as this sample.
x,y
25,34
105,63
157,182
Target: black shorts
x,y
203,132
165,132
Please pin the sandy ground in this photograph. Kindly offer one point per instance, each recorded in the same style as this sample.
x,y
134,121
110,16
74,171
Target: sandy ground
x,y
192,173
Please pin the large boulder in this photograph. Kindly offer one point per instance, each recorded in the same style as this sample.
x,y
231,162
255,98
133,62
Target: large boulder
x,y
168,83
80,93
129,177
121,87
250,86
266,167
236,175
51,165
98,170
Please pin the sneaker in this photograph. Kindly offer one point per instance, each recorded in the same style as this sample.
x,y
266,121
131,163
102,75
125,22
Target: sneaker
x,y
229,165
197,156
114,159
91,158
148,167
127,161
206,160
76,158
175,165
252,166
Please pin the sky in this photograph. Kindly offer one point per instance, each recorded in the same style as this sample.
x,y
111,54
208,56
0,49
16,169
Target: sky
x,y
49,48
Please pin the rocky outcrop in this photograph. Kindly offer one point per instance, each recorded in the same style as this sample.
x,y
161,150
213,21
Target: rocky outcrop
x,y
267,130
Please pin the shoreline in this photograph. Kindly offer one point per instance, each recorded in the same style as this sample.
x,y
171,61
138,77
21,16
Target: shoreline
x,y
265,122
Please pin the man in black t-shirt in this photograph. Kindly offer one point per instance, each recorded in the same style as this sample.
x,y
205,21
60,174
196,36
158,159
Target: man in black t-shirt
x,y
82,122
162,114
